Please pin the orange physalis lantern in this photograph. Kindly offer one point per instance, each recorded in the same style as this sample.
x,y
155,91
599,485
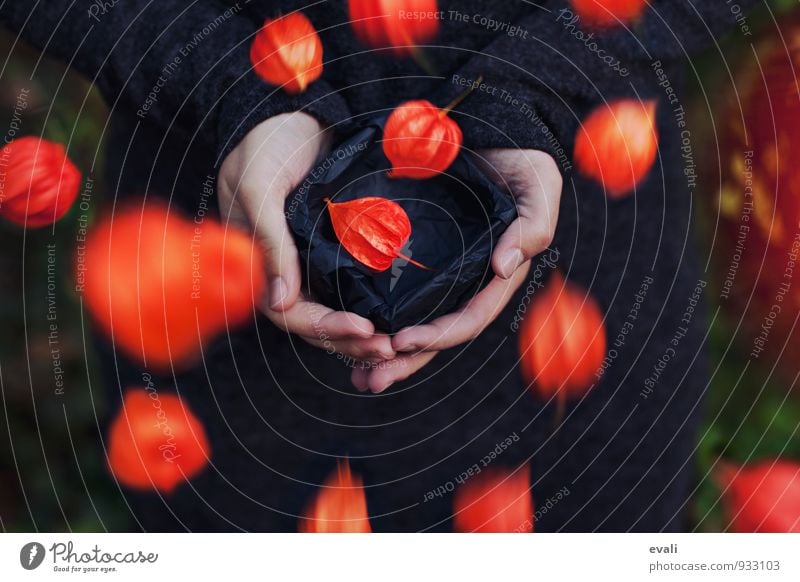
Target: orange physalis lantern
x,y
156,441
397,24
339,507
40,184
608,13
562,341
372,229
287,52
495,501
617,144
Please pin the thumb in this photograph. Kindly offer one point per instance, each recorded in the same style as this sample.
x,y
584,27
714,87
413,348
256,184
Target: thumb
x,y
282,260
535,182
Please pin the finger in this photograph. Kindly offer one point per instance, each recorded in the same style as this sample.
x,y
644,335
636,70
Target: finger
x,y
383,376
309,319
359,378
373,350
463,325
535,182
282,260
231,212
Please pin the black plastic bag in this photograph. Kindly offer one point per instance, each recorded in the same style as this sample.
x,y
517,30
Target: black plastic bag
x,y
456,219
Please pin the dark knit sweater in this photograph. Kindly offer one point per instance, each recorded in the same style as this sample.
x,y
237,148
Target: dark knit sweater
x,y
279,412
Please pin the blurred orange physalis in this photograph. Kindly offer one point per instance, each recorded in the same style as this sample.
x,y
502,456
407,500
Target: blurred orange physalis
x,y
608,13
495,501
287,52
617,144
339,507
155,441
161,285
373,230
762,497
562,341
39,182
397,24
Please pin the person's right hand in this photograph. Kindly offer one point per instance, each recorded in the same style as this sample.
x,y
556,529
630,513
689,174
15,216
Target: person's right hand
x,y
254,181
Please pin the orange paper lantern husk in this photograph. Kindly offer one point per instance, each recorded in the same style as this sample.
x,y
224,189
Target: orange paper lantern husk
x,y
762,497
562,342
617,145
372,230
161,286
605,14
339,507
494,501
381,24
287,52
156,441
420,140
41,183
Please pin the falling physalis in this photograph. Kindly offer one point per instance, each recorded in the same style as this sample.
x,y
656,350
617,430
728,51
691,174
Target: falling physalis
x,y
372,230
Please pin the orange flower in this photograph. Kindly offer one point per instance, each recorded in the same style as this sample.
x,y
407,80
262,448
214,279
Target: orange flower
x,y
340,507
421,140
397,24
617,144
155,441
562,341
287,52
761,497
494,502
373,230
608,13
40,182
160,285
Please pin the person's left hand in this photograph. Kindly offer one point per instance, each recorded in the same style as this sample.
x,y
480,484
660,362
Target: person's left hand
x,y
533,179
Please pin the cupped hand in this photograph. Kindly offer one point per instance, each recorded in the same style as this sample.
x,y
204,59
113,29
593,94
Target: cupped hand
x,y
532,177
254,182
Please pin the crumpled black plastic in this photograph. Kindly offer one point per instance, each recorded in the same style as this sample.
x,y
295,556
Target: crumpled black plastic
x,y
456,218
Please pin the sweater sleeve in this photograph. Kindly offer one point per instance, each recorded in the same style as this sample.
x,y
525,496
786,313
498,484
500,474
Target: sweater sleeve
x,y
543,70
172,63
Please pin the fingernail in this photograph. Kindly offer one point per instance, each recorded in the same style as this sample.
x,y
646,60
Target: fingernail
x,y
383,388
510,261
277,292
412,347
